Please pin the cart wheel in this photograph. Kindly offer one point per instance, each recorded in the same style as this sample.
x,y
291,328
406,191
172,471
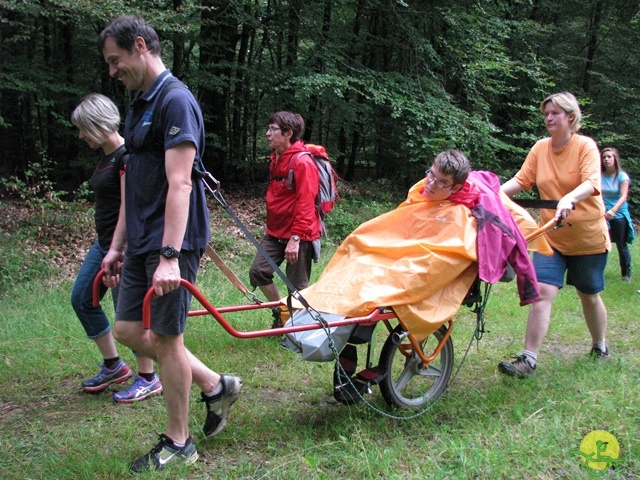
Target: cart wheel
x,y
406,383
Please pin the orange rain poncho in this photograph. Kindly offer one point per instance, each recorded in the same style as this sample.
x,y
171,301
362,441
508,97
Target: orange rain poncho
x,y
419,259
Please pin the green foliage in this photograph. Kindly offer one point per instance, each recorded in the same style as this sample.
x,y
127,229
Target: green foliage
x,y
384,85
35,188
83,192
370,200
286,425
28,240
40,240
17,266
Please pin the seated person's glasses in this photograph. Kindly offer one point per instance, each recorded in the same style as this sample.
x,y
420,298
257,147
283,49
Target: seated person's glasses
x,y
431,178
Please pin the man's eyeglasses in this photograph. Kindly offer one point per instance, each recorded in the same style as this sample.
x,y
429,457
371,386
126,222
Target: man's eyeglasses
x,y
273,129
431,178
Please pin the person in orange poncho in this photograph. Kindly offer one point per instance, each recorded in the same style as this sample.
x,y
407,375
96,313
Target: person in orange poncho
x,y
421,258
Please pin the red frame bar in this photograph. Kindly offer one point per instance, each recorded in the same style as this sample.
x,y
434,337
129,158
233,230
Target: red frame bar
x,y
374,317
379,314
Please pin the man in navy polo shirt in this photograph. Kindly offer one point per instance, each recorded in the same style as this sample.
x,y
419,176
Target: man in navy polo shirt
x,y
166,231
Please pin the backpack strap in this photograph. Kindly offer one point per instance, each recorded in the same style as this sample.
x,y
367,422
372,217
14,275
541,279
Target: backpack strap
x,y
317,201
290,179
120,160
155,135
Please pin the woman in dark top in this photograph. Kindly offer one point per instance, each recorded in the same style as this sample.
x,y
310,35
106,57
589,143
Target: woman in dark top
x,y
98,120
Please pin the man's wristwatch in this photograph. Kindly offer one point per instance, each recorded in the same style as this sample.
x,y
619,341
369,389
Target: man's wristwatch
x,y
169,252
295,238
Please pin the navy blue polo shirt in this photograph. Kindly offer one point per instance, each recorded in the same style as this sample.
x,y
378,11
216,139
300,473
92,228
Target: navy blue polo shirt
x,y
179,120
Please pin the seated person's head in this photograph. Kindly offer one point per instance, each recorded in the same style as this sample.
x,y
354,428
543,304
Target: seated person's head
x,y
447,175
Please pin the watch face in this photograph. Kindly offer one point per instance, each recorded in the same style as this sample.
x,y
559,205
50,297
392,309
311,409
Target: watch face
x,y
169,252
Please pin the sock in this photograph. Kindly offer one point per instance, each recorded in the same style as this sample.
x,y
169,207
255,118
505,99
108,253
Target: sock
x,y
531,357
602,345
175,444
147,376
215,391
111,362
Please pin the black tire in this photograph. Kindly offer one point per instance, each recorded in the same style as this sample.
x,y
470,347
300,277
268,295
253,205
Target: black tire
x,y
406,384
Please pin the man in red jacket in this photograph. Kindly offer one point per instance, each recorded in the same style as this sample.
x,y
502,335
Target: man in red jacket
x,y
293,223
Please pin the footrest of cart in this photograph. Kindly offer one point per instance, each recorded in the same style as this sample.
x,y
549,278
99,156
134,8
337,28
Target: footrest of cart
x,y
371,376
352,390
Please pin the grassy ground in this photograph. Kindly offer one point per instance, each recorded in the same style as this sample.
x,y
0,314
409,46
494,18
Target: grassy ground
x,y
286,424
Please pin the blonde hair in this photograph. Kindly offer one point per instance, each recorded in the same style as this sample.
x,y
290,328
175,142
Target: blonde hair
x,y
567,102
96,116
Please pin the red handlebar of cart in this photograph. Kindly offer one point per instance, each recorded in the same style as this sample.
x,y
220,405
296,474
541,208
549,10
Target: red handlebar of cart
x,y
375,316
96,287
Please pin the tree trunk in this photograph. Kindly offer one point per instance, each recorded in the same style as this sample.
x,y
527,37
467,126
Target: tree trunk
x,y
218,38
592,43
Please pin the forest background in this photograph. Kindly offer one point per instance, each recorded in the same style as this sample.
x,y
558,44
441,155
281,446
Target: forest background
x,y
384,84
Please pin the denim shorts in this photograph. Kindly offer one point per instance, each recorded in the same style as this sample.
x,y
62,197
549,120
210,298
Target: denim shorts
x,y
168,312
585,272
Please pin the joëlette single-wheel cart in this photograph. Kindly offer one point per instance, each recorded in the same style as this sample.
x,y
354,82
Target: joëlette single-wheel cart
x,y
410,374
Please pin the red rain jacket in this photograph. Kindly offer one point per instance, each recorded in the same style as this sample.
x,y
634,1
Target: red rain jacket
x,y
293,211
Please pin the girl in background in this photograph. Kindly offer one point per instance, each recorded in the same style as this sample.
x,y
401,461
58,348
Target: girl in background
x,y
615,191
